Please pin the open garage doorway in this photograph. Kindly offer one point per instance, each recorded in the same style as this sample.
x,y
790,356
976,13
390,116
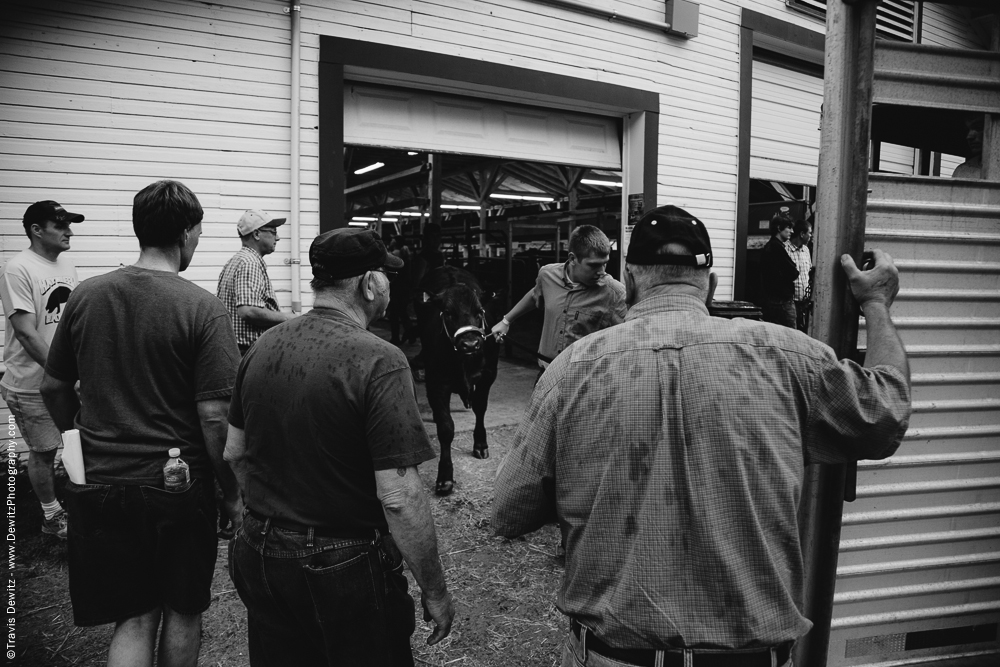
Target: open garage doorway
x,y
501,219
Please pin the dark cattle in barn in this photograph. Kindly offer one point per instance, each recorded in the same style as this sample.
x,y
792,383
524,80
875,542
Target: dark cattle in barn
x,y
460,356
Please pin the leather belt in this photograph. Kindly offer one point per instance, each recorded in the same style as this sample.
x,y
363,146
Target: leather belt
x,y
674,657
318,531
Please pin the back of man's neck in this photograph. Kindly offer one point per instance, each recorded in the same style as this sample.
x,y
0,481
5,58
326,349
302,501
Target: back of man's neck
x,y
159,259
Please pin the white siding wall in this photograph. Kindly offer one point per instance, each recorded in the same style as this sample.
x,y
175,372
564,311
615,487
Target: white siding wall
x,y
100,98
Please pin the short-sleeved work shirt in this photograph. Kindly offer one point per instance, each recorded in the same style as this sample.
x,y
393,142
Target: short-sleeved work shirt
x,y
146,346
244,282
324,404
672,450
573,310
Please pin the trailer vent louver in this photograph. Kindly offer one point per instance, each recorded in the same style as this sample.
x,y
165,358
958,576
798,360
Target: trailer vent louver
x,y
894,19
914,641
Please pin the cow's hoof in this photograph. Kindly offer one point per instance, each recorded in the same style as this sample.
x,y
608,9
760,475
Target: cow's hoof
x,y
444,488
481,453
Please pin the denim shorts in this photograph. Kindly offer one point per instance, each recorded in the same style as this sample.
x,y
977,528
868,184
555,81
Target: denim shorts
x,y
33,420
133,549
314,600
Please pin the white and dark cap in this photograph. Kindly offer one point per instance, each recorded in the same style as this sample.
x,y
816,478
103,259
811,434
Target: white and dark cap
x,y
665,225
254,219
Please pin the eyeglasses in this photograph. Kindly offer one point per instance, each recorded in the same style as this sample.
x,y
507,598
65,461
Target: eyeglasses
x,y
389,273
269,229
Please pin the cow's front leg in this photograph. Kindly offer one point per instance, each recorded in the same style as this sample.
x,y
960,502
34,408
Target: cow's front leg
x,y
439,398
480,399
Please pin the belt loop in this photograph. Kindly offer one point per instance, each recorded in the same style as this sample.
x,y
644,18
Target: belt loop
x,y
774,656
267,526
311,534
583,641
688,657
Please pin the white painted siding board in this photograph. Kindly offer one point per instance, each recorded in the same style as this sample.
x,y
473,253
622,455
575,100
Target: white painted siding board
x,y
945,25
784,143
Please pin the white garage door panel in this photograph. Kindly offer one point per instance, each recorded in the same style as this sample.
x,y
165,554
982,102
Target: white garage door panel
x,y
784,122
396,118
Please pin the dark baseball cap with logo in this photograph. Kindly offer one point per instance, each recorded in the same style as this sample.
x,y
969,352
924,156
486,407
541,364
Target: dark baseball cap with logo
x,y
345,253
669,224
42,211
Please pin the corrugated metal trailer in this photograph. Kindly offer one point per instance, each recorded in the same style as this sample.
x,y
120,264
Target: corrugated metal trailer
x,y
917,577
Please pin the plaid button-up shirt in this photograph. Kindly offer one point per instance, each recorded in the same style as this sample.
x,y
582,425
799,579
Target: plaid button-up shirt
x,y
671,449
244,282
803,260
573,310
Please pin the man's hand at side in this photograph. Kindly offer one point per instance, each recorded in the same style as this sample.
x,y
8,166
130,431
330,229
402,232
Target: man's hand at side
x,y
876,282
404,501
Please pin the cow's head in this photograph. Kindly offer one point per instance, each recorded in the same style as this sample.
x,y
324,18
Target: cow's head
x,y
463,319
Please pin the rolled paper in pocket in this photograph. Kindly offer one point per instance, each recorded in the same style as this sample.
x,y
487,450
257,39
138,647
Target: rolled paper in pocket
x,y
72,456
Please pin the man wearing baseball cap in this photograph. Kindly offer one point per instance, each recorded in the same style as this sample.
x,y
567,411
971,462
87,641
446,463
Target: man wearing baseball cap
x,y
325,438
34,287
672,448
244,285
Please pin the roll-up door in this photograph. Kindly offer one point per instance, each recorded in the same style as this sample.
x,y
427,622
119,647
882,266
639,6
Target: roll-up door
x,y
784,124
418,120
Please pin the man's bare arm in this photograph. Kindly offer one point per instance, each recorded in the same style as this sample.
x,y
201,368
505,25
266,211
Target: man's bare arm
x,y
262,317
61,401
213,414
408,514
27,335
875,288
525,305
236,449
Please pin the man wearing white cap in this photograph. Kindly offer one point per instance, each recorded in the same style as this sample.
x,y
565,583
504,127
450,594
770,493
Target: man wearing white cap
x,y
244,285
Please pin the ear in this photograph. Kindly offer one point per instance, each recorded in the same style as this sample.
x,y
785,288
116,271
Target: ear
x,y
713,282
368,286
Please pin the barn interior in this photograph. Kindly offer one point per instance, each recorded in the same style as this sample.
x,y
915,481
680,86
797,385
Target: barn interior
x,y
501,219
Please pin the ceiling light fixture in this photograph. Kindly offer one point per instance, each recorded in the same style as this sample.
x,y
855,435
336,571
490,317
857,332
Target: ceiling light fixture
x,y
364,219
371,167
464,207
357,224
500,195
610,184
411,152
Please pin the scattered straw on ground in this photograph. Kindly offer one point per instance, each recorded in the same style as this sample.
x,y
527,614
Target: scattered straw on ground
x,y
505,590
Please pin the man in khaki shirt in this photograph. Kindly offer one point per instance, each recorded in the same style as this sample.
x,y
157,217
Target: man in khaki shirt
x,y
578,297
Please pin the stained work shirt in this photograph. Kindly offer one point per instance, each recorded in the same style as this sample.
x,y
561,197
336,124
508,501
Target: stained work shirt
x,y
674,448
573,310
244,282
324,404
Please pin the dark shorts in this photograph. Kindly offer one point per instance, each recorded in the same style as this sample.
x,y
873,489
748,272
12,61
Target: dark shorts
x,y
322,600
133,549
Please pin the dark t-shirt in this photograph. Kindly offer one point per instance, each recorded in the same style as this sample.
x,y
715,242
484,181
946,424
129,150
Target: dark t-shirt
x,y
324,404
146,347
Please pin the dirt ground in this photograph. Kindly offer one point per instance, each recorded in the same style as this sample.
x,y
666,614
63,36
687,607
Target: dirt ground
x,y
505,590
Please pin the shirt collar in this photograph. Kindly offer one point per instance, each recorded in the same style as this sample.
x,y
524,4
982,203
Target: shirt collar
x,y
666,302
570,285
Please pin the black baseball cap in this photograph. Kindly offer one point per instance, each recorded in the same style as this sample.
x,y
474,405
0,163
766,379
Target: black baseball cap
x,y
346,252
669,224
42,211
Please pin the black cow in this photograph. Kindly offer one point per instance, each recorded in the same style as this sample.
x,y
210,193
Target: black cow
x,y
460,357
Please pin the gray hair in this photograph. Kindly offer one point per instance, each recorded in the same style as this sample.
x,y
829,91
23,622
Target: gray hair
x,y
343,287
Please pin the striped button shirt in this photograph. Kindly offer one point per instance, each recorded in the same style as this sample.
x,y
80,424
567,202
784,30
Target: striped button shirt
x,y
244,282
671,449
803,260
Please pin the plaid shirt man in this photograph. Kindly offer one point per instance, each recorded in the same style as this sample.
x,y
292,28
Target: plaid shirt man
x,y
803,260
244,282
652,442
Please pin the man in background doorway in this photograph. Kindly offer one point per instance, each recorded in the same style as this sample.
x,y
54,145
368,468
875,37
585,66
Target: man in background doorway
x,y
244,285
798,249
973,165
577,296
778,273
34,287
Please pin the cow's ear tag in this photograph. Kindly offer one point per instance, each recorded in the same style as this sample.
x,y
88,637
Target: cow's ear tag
x,y
427,297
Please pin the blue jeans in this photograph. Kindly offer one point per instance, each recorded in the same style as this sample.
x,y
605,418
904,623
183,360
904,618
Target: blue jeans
x,y
315,600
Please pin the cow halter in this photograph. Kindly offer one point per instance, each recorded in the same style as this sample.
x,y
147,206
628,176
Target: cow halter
x,y
480,332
